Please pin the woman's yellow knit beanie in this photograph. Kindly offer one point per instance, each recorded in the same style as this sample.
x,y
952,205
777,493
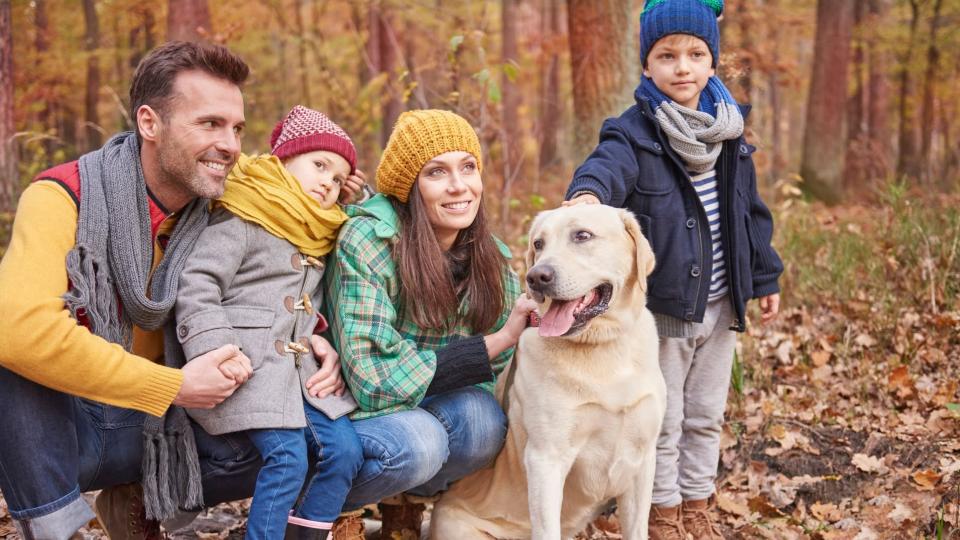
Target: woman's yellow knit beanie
x,y
419,136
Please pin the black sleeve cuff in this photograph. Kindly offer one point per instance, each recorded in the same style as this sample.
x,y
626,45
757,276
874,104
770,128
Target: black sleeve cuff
x,y
464,362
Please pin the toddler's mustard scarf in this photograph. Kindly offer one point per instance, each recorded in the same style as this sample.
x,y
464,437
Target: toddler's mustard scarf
x,y
259,189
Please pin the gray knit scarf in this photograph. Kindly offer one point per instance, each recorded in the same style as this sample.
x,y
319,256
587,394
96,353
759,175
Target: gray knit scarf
x,y
697,136
109,272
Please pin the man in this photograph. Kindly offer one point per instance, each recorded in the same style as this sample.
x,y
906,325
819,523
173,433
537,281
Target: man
x,y
88,283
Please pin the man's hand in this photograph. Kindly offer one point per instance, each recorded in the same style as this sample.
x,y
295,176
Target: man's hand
x,y
769,307
351,187
328,380
583,198
204,385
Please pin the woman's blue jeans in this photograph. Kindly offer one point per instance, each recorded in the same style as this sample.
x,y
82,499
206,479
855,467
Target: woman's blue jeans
x,y
333,448
424,450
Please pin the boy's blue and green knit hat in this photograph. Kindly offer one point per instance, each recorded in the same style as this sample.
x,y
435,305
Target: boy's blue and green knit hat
x,y
695,17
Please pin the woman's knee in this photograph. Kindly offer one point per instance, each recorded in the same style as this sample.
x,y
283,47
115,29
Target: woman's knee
x,y
411,445
476,424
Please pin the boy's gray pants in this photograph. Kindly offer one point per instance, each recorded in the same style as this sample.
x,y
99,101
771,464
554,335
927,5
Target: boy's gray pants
x,y
697,372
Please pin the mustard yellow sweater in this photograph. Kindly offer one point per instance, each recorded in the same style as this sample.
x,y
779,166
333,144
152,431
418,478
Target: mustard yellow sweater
x,y
39,339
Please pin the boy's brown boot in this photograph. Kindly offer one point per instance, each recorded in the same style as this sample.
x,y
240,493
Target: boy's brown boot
x,y
402,518
665,523
349,526
700,520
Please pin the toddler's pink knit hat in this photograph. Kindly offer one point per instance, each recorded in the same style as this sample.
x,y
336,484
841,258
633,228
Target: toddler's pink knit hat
x,y
306,130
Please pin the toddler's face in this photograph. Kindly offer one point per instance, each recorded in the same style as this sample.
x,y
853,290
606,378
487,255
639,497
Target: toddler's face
x,y
680,65
320,173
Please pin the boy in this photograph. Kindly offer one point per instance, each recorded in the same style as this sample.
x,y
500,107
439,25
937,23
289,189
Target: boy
x,y
677,159
254,280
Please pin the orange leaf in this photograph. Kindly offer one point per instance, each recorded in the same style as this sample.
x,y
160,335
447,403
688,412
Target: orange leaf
x,y
926,479
762,506
901,382
820,358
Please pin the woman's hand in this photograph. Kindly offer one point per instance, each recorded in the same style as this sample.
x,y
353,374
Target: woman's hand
x,y
327,380
508,336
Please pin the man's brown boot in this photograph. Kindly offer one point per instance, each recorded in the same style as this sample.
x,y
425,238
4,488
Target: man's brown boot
x,y
700,519
665,523
349,526
401,518
122,515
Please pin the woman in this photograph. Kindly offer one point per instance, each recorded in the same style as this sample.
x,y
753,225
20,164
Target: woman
x,y
422,304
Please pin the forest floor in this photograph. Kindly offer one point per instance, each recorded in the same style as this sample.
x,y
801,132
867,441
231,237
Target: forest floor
x,y
843,420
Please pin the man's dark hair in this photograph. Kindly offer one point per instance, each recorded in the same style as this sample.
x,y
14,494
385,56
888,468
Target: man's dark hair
x,y
153,81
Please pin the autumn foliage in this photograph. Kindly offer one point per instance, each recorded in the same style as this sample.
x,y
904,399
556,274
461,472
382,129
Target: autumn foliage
x,y
844,414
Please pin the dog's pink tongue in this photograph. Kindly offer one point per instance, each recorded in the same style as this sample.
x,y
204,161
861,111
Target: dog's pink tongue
x,y
558,319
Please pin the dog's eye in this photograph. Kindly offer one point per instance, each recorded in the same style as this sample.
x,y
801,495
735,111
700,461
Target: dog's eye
x,y
538,244
582,236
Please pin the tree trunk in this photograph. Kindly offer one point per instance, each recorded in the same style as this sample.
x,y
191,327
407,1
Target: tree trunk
x,y
855,109
9,179
383,59
777,159
91,122
549,87
857,152
41,43
746,21
929,89
823,144
42,24
603,58
142,38
878,91
298,6
511,135
908,160
188,20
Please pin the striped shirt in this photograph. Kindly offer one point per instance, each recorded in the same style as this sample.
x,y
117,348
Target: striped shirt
x,y
706,186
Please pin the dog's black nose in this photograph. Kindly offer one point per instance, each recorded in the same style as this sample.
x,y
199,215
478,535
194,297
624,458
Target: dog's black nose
x,y
540,276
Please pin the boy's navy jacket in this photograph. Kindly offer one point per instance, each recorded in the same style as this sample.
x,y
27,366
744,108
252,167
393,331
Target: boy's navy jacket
x,y
634,167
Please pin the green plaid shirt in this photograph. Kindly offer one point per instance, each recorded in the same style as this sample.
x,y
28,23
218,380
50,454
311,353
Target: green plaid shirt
x,y
388,361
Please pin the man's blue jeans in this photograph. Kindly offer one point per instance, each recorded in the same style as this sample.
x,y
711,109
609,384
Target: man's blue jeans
x,y
54,446
423,450
334,450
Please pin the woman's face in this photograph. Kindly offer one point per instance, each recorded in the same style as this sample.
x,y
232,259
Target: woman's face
x,y
451,187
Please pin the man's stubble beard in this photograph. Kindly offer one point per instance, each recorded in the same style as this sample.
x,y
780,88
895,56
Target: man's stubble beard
x,y
179,168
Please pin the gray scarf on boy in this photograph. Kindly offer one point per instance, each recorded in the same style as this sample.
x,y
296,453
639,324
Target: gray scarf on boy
x,y
109,272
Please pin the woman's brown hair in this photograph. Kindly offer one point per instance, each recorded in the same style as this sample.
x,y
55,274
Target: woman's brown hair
x,y
433,282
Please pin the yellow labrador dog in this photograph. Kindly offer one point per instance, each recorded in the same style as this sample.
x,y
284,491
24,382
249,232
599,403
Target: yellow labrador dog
x,y
584,395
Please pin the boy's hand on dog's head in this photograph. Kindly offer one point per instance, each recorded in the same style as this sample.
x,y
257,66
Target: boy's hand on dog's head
x,y
769,307
584,198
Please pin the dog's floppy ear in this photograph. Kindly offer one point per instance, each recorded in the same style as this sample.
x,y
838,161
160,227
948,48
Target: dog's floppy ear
x,y
645,258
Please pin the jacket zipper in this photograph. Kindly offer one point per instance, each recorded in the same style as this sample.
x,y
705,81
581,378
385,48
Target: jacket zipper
x,y
730,197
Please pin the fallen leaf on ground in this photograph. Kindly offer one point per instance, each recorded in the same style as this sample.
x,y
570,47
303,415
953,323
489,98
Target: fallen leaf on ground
x,y
826,512
900,514
926,479
869,464
732,506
